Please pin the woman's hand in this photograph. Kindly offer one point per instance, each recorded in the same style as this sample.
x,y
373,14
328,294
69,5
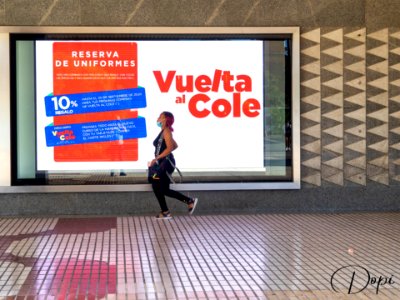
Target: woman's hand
x,y
153,162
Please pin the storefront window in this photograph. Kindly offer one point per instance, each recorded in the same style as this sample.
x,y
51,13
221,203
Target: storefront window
x,y
84,107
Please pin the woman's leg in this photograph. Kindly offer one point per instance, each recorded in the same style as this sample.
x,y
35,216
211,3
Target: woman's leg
x,y
175,194
159,188
190,202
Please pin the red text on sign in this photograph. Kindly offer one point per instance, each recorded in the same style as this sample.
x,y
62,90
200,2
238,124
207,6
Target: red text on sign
x,y
222,108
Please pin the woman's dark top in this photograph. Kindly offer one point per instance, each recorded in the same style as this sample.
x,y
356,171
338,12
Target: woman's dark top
x,y
163,144
168,168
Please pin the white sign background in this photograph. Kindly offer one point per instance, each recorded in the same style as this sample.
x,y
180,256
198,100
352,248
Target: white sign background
x,y
205,144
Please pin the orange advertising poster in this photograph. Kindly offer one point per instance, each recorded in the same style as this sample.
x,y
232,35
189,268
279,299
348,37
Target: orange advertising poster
x,y
95,67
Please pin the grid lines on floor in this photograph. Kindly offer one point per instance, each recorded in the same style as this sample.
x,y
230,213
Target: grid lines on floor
x,y
259,256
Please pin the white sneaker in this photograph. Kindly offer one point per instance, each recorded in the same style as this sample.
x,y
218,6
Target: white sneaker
x,y
164,216
194,203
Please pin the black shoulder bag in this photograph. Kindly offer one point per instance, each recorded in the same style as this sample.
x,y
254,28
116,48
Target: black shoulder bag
x,y
165,165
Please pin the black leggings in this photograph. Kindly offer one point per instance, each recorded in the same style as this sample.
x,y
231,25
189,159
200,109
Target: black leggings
x,y
161,189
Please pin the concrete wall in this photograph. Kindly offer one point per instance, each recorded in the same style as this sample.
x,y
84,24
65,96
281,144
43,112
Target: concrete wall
x,y
350,99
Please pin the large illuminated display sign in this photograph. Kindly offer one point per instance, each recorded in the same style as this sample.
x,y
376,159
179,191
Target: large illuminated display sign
x,y
97,103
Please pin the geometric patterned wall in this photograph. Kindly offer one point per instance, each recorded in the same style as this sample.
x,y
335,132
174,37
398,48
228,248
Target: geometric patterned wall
x,y
350,106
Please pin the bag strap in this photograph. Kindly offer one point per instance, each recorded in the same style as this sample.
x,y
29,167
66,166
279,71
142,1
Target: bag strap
x,y
179,172
159,143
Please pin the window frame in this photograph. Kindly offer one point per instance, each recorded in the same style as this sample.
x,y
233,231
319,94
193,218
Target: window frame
x,y
6,180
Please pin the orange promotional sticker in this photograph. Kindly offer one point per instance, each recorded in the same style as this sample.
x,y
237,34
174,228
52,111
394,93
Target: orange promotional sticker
x,y
86,67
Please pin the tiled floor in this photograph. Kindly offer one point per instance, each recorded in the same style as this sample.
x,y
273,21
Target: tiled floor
x,y
265,256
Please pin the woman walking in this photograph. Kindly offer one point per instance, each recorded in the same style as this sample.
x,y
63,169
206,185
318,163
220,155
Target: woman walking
x,y
164,160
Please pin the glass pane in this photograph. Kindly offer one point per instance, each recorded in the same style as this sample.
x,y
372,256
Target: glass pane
x,y
25,110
